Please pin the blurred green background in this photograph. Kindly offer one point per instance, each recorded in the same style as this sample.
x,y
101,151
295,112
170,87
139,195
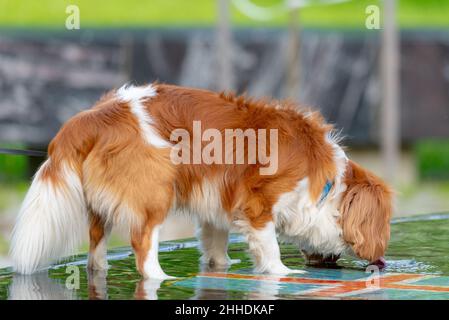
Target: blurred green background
x,y
181,13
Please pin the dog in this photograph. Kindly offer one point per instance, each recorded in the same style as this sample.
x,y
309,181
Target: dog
x,y
135,157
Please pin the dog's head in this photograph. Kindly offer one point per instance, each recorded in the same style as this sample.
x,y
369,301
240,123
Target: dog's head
x,y
365,213
364,210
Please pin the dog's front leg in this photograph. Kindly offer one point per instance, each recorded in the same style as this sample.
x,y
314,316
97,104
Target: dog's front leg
x,y
264,247
214,245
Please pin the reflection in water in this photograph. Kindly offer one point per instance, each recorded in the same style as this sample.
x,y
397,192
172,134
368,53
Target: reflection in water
x,y
38,287
266,290
98,285
146,289
261,290
201,293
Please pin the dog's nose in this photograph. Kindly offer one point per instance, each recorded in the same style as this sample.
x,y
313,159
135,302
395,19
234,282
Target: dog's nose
x,y
381,263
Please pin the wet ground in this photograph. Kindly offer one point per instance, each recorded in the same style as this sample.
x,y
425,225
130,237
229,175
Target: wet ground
x,y
418,268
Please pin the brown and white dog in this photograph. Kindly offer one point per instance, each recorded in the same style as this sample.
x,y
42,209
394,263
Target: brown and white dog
x,y
118,164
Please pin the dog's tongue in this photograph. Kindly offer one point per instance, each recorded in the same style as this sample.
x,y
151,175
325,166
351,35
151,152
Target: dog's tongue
x,y
381,263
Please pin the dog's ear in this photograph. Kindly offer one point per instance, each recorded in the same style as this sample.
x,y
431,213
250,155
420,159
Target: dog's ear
x,y
366,210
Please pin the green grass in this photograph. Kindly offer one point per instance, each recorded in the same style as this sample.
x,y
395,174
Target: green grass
x,y
177,13
433,159
13,176
13,168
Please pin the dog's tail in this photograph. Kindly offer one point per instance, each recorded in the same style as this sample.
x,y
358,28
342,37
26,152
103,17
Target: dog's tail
x,y
50,220
53,218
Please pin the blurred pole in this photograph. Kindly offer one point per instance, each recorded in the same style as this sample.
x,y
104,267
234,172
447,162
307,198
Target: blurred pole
x,y
390,127
224,46
293,61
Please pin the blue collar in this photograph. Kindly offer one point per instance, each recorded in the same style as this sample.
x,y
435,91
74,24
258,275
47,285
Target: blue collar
x,y
327,188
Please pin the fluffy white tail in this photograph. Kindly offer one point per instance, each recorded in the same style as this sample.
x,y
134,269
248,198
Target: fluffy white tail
x,y
51,221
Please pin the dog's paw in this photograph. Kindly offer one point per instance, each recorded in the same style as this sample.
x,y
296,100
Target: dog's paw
x,y
283,270
297,271
97,264
157,276
218,261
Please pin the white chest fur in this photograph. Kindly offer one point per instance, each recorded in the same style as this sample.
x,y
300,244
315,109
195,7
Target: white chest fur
x,y
315,229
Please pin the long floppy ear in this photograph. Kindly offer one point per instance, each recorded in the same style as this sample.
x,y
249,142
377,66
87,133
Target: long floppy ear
x,y
366,210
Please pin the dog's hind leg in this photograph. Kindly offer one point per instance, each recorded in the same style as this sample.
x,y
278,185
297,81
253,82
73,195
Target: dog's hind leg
x,y
153,208
145,243
99,232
